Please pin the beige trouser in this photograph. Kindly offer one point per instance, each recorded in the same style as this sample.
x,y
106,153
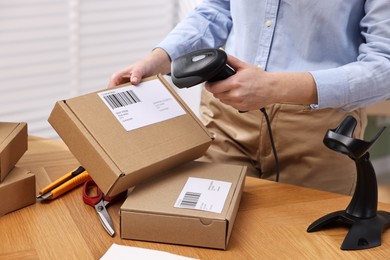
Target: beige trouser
x,y
298,132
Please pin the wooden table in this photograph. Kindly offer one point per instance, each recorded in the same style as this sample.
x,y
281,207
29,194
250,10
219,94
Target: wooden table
x,y
271,222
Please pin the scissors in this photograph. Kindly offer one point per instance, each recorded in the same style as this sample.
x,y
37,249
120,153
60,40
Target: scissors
x,y
93,196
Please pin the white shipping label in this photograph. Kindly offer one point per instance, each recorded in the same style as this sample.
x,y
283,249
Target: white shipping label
x,y
203,194
144,104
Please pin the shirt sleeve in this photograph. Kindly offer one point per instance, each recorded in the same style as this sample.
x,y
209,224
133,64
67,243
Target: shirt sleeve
x,y
207,26
367,80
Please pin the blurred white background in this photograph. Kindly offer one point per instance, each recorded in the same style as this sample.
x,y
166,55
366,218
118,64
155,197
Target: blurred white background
x,y
56,49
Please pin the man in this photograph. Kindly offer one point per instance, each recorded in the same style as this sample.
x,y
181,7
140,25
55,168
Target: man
x,y
307,63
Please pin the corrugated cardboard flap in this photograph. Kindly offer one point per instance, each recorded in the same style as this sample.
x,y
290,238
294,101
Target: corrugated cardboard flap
x,y
82,144
18,190
171,182
13,144
174,229
234,204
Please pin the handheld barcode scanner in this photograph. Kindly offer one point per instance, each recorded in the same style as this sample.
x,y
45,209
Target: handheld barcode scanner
x,y
209,65
198,66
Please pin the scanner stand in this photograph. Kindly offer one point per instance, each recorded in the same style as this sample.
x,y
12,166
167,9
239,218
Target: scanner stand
x,y
365,222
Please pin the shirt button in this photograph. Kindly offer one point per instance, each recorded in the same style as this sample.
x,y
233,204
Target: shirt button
x,y
268,23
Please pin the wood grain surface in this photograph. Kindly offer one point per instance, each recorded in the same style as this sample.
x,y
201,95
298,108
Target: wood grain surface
x,y
271,222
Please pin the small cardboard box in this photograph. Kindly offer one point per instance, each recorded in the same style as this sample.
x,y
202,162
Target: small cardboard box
x,y
13,144
17,190
127,134
150,212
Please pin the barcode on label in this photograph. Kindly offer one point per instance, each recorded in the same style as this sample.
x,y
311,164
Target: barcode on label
x,y
122,99
190,200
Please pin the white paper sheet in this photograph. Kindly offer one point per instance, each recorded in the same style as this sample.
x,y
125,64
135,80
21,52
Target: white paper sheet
x,y
119,252
148,103
203,194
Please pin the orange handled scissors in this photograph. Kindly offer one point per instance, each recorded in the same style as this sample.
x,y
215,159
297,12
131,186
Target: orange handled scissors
x,y
93,196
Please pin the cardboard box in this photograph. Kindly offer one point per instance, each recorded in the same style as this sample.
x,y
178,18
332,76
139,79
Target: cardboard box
x,y
127,134
17,190
149,212
13,144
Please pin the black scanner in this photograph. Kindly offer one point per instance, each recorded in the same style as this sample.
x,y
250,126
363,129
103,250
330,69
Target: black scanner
x,y
198,66
209,65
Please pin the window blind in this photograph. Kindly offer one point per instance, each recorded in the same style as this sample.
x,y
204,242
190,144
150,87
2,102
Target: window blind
x,y
54,49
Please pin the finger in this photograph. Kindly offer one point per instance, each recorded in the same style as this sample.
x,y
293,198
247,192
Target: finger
x,y
135,77
117,80
120,77
232,103
226,100
234,62
216,87
112,83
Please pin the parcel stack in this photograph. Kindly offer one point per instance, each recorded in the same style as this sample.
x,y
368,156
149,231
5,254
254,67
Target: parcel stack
x,y
146,136
17,185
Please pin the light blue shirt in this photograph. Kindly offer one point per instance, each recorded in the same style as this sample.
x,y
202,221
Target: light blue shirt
x,y
344,44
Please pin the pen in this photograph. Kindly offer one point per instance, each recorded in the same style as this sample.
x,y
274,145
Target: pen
x,y
65,183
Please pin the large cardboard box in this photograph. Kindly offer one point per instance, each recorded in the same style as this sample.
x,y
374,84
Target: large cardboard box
x,y
153,210
17,190
13,144
127,134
